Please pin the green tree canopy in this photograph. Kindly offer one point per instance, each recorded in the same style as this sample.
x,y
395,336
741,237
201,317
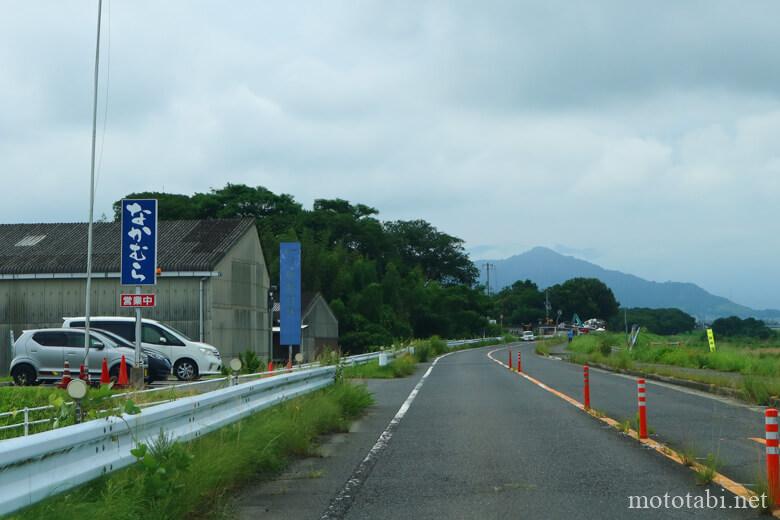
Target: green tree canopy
x,y
384,280
657,321
520,304
588,297
748,328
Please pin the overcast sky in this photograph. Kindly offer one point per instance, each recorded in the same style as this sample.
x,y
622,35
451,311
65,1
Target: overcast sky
x,y
641,136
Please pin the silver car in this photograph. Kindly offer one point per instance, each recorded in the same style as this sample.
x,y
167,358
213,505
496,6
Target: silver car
x,y
40,355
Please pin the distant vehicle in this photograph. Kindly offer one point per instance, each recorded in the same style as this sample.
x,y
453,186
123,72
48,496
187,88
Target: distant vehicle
x,y
40,355
528,336
190,359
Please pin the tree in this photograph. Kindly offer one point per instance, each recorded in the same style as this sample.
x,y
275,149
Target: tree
x,y
520,304
658,321
384,280
441,257
748,328
587,297
170,206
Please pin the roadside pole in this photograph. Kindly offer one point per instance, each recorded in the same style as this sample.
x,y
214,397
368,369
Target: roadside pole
x,y
137,374
290,296
88,302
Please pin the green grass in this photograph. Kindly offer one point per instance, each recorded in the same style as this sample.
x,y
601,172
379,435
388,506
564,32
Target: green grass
x,y
757,362
542,349
706,472
16,398
750,357
401,366
199,476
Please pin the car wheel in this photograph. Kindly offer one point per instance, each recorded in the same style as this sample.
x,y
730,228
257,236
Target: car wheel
x,y
23,375
185,370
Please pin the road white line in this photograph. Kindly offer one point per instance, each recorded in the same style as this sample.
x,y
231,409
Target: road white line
x,y
343,500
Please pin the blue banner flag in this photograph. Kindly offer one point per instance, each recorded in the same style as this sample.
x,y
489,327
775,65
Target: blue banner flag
x,y
290,293
139,242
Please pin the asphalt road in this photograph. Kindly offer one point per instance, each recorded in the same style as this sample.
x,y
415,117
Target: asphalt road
x,y
683,419
481,442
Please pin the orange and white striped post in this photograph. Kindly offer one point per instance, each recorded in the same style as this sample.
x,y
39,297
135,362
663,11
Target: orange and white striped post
x,y
772,457
519,363
586,386
642,402
510,360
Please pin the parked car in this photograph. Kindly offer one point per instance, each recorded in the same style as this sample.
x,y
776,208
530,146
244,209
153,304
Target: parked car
x,y
40,355
158,367
528,336
190,359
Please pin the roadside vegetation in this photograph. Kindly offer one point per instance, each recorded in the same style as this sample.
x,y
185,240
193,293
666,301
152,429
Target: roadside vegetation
x,y
400,366
750,365
404,365
99,402
191,480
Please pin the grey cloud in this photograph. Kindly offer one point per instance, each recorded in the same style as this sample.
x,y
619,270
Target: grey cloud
x,y
645,132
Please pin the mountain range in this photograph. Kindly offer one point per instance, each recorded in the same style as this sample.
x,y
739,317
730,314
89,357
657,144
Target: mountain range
x,y
545,267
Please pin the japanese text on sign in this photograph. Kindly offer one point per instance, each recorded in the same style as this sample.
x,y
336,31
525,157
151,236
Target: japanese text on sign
x,y
139,242
137,300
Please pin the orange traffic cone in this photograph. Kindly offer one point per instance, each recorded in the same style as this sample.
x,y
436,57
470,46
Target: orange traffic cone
x,y
65,376
104,377
122,380
271,366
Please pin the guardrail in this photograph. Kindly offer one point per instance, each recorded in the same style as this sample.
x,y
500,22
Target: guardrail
x,y
208,385
459,342
37,466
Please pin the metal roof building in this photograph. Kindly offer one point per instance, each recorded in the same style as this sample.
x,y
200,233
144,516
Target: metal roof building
x,y
213,285
319,328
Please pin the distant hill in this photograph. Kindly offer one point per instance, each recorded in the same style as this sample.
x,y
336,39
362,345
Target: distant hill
x,y
545,267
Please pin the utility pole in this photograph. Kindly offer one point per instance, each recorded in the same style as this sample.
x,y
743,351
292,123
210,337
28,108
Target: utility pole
x,y
488,266
546,308
92,196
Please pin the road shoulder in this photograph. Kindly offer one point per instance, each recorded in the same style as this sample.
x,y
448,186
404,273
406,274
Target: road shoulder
x,y
307,486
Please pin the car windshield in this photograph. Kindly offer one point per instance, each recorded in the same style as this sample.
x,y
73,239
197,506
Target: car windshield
x,y
103,338
177,331
115,338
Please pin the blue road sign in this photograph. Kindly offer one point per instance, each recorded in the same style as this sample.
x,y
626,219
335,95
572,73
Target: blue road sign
x,y
139,242
290,293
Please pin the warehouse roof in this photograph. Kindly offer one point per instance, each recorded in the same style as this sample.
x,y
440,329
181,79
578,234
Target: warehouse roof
x,y
183,245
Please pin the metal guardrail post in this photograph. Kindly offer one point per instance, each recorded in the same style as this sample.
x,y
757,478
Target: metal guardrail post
x,y
26,421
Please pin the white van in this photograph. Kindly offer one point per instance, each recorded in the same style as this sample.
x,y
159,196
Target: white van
x,y
189,359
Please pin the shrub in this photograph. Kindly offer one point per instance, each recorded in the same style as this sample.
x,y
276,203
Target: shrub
x,y
604,347
438,345
403,366
250,363
422,351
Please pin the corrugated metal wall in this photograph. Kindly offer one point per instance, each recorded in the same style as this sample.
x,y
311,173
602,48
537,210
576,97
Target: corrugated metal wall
x,y
34,304
235,303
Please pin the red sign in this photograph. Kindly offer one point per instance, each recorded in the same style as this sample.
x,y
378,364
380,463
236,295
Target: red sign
x,y
137,300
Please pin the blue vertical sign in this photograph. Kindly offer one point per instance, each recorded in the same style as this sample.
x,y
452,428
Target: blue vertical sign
x,y
290,293
139,242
